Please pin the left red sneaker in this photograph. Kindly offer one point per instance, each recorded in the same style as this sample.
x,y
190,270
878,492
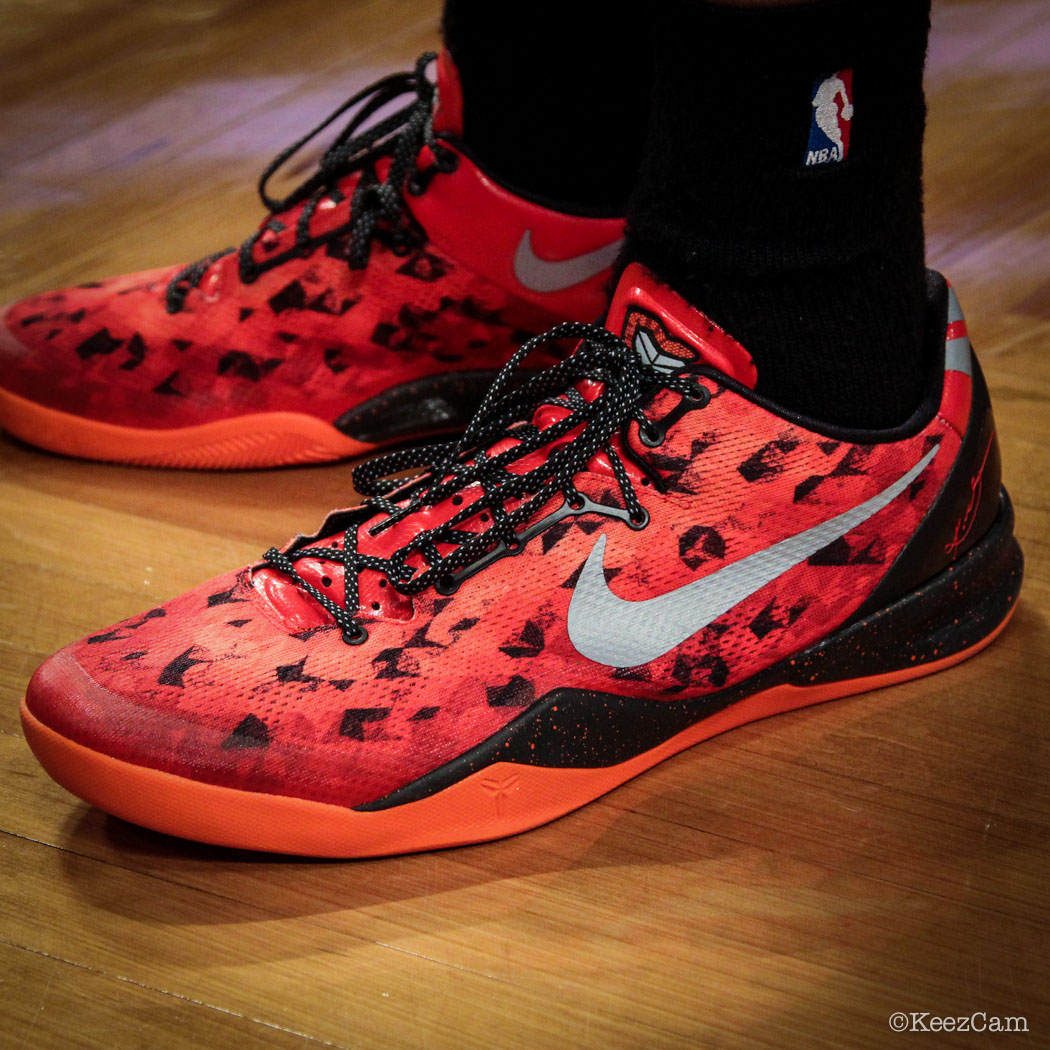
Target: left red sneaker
x,y
372,306
655,556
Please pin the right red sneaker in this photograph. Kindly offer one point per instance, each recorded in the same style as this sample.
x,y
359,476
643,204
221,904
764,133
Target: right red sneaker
x,y
372,306
629,553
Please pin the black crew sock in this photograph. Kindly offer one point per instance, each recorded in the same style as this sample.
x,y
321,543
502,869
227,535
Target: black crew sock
x,y
551,89
815,265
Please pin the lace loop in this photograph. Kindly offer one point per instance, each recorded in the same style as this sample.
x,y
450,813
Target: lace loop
x,y
475,471
377,207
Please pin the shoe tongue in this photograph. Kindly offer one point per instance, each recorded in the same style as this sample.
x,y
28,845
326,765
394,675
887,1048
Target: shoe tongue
x,y
669,333
448,112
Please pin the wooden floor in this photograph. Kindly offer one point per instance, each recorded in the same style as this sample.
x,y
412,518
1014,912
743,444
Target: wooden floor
x,y
789,885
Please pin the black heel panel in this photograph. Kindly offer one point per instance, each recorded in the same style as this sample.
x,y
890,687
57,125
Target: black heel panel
x,y
964,510
948,614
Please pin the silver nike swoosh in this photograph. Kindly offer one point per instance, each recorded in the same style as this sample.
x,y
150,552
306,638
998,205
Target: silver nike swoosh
x,y
621,633
545,275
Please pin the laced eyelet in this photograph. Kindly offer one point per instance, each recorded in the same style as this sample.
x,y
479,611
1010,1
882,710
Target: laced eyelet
x,y
446,585
638,522
651,435
355,634
400,249
575,504
698,395
447,161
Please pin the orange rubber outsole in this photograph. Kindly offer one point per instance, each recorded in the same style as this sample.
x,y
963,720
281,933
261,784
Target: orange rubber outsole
x,y
502,799
264,439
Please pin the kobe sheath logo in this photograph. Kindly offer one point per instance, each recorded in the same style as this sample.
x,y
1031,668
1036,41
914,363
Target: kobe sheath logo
x,y
622,633
646,348
547,275
832,113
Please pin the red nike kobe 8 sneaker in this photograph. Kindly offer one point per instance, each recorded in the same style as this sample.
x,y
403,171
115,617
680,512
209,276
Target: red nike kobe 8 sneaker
x,y
624,555
373,305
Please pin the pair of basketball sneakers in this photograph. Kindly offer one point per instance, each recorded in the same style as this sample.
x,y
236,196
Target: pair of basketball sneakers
x,y
625,550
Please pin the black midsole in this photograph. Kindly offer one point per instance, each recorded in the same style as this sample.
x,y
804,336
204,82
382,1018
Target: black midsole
x,y
427,405
582,728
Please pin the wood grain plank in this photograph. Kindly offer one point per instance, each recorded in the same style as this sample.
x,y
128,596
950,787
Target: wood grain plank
x,y
46,1001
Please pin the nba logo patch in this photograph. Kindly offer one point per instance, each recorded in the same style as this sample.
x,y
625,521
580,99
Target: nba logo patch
x,y
832,112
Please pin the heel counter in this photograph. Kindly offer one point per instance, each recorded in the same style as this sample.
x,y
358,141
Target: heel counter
x,y
966,507
976,477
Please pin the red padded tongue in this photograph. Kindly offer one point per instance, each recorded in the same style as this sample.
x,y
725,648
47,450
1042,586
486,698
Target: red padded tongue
x,y
448,114
669,332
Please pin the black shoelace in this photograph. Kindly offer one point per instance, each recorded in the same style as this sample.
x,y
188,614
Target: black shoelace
x,y
449,468
377,207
